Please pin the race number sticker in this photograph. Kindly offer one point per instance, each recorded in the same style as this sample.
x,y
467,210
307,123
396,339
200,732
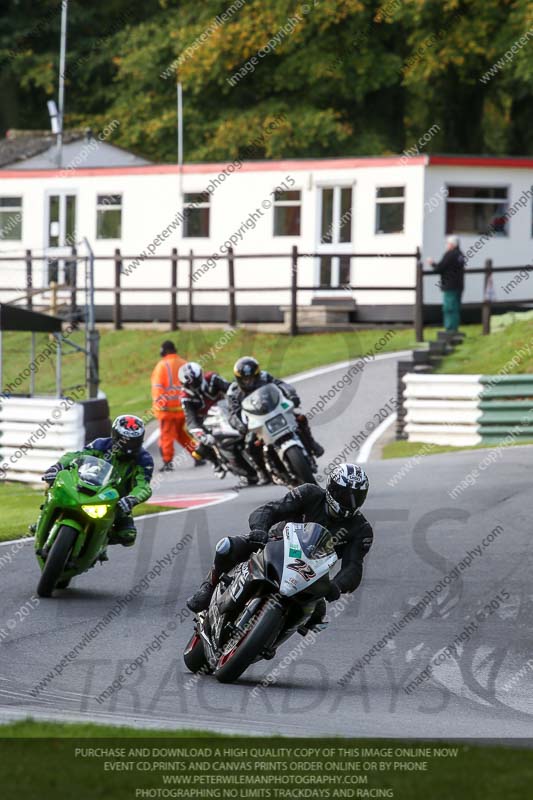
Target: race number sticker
x,y
303,569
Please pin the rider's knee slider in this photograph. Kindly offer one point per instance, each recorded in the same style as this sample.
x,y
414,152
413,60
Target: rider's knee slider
x,y
223,547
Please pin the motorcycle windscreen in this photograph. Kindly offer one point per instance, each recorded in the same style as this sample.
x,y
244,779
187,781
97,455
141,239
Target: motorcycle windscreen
x,y
315,540
263,400
94,471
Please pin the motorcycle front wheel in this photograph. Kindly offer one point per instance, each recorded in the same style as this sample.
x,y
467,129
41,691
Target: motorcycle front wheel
x,y
299,464
260,636
56,560
194,654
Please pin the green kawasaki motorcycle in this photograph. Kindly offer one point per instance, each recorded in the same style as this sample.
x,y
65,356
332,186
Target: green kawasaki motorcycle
x,y
72,531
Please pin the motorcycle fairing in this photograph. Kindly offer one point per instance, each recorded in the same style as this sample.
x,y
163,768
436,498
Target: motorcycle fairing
x,y
299,571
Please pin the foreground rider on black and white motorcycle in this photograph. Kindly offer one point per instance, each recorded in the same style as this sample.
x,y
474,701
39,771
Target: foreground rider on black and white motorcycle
x,y
248,378
336,508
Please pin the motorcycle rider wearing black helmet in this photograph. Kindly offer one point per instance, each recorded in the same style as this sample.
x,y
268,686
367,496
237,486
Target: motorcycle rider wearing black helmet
x,y
248,377
133,465
337,508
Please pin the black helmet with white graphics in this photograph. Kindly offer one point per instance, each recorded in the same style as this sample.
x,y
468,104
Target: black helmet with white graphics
x,y
191,376
346,490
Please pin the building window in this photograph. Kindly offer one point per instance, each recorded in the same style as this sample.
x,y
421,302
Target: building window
x,y
109,216
11,218
287,207
476,209
196,215
390,208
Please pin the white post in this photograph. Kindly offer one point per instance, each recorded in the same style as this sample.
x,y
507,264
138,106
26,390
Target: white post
x,y
62,66
180,138
32,376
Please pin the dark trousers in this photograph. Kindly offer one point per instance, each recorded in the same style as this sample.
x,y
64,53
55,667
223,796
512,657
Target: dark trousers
x,y
124,522
254,450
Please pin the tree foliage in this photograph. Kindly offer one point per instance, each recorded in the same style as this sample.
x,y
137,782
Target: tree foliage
x,y
344,76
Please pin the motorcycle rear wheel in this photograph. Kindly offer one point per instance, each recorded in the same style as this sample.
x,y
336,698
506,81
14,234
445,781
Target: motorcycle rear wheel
x,y
261,636
299,464
56,560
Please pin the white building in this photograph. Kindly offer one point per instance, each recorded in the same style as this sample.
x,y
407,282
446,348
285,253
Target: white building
x,y
385,205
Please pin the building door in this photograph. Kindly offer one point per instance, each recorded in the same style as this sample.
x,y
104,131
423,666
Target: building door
x,y
60,238
335,236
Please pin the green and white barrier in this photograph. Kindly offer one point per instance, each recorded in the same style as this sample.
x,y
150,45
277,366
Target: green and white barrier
x,y
464,410
35,432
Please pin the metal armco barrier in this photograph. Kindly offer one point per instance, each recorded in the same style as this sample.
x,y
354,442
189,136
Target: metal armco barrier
x,y
465,410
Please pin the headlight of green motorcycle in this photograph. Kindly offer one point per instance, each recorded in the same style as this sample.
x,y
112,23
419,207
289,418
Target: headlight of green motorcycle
x,y
96,512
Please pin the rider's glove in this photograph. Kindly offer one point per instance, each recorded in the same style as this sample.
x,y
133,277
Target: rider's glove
x,y
52,472
127,503
333,593
296,400
258,537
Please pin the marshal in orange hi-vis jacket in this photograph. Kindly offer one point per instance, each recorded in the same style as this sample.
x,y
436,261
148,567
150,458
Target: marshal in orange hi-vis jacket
x,y
166,399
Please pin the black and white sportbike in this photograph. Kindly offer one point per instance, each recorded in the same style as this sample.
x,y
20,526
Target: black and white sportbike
x,y
270,416
260,603
228,442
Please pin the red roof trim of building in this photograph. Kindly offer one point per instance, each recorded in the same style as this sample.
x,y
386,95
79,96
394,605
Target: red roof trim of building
x,y
280,166
518,162
199,169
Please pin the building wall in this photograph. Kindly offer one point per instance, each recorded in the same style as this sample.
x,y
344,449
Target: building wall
x,y
151,203
515,249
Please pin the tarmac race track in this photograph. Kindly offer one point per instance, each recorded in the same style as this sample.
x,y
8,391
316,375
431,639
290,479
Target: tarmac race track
x,y
464,559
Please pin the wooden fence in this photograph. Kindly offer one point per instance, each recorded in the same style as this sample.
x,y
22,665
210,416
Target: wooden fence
x,y
124,265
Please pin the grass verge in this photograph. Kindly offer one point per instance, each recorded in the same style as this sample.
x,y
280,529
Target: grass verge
x,y
88,761
509,349
412,449
128,357
20,508
36,729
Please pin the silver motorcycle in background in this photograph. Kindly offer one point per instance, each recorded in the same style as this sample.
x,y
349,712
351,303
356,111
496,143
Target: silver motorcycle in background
x,y
270,415
228,444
